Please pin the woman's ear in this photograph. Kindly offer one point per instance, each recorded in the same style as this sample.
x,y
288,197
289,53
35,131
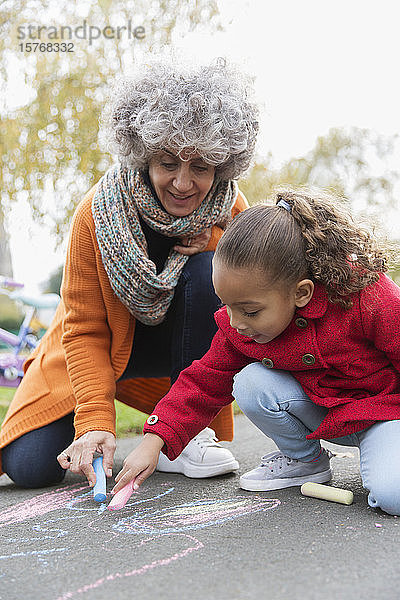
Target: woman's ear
x,y
304,292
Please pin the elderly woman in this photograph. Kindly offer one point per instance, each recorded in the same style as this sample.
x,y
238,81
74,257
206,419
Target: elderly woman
x,y
137,299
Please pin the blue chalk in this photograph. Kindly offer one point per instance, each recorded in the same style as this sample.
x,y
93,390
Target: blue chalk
x,y
99,490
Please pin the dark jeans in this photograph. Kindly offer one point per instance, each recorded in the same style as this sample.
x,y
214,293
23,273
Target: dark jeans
x,y
160,351
186,332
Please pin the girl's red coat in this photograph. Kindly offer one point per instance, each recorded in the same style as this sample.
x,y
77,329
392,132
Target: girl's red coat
x,y
354,370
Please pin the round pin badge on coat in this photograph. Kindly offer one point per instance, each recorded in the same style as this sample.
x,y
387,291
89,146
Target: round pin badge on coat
x,y
152,420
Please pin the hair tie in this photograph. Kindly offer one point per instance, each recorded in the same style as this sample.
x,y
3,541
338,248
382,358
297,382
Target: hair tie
x,y
284,205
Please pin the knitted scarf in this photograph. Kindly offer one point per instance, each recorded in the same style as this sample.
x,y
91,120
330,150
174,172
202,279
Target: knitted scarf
x,y
121,196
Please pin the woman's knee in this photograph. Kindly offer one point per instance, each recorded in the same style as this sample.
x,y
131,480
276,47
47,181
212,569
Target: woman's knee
x,y
31,460
199,264
198,274
30,470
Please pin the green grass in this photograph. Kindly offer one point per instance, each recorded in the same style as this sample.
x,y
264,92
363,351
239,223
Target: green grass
x,y
129,420
6,395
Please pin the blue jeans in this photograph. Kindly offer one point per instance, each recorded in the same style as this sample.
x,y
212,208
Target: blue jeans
x,y
160,351
275,402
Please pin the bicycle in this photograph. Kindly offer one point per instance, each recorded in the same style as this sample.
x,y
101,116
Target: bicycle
x,y
25,340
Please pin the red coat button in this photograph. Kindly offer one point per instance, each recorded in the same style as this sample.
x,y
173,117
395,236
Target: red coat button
x,y
267,362
300,322
308,359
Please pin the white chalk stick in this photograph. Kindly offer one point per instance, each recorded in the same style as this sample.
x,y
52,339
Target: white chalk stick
x,y
326,492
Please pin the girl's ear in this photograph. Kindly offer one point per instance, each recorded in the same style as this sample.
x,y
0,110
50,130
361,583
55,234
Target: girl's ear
x,y
304,292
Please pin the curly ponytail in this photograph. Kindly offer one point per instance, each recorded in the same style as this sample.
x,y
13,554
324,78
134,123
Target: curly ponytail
x,y
340,255
306,234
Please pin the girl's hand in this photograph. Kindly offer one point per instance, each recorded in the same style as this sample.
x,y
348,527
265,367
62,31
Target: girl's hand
x,y
140,463
78,457
193,245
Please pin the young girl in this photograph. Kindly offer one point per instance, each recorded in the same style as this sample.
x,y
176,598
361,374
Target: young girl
x,y
308,344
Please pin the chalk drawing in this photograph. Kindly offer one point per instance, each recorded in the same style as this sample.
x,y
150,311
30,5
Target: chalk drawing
x,y
140,518
194,515
39,505
31,553
163,562
71,504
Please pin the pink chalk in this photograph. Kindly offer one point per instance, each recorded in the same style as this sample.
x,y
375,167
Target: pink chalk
x,y
121,497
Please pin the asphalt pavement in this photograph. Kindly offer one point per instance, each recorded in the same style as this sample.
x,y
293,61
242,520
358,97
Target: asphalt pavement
x,y
181,538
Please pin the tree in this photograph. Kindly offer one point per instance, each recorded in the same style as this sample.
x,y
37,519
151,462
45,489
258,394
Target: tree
x,y
354,163
53,282
343,160
5,254
49,146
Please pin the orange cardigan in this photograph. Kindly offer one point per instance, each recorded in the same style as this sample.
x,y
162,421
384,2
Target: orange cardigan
x,y
87,347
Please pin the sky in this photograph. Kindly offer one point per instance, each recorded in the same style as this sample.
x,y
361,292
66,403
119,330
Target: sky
x,y
317,64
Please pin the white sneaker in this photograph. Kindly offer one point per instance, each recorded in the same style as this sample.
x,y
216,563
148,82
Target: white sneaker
x,y
202,457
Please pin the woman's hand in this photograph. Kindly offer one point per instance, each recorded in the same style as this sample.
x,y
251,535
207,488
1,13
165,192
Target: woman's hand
x,y
193,244
78,457
140,463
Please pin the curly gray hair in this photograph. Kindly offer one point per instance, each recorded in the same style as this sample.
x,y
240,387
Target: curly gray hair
x,y
208,110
